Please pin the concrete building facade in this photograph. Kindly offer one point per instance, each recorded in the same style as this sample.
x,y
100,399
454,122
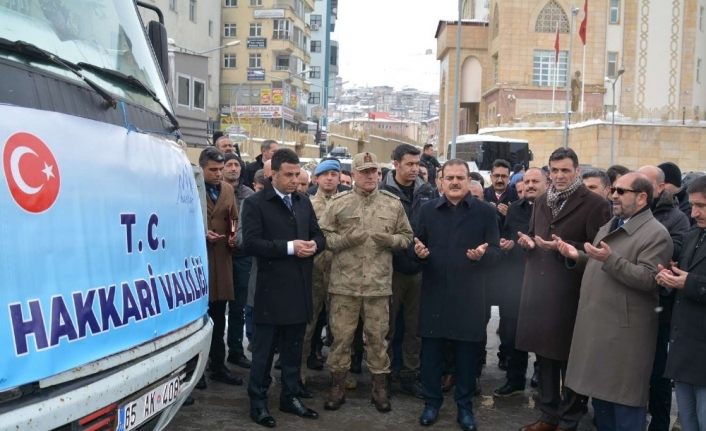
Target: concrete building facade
x,y
509,73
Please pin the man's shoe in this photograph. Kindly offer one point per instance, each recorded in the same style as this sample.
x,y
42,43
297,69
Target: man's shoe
x,y
239,360
508,390
380,396
295,406
263,417
201,384
313,363
337,392
429,416
466,420
223,375
539,426
447,382
534,382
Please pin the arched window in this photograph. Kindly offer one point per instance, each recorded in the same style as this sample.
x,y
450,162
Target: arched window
x,y
496,21
551,14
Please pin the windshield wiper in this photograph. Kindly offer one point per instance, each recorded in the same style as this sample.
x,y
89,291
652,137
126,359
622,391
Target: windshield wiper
x,y
34,52
133,82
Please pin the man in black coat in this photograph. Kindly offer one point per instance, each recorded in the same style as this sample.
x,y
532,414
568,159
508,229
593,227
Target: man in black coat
x,y
457,238
267,149
517,220
665,210
405,183
280,230
687,345
431,163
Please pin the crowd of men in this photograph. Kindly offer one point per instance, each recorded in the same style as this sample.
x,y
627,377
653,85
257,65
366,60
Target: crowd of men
x,y
599,274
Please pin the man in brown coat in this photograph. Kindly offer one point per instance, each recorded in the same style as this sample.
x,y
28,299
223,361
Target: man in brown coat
x,y
550,291
222,218
616,325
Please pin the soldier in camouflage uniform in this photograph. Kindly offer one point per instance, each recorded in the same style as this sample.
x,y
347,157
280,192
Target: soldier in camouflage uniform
x,y
362,227
328,174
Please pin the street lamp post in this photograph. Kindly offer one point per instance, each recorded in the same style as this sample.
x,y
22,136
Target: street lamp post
x,y
612,123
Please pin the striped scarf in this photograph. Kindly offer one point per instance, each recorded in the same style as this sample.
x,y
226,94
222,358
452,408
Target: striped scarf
x,y
557,199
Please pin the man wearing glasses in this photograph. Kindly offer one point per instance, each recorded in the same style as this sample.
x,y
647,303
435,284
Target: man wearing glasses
x,y
613,345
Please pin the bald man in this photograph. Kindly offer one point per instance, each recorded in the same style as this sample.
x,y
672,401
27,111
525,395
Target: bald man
x,y
666,211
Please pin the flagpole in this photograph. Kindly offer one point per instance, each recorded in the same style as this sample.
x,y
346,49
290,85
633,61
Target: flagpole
x,y
554,85
567,84
583,76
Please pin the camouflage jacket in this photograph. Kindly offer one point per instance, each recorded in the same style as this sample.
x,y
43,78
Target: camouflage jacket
x,y
322,261
365,269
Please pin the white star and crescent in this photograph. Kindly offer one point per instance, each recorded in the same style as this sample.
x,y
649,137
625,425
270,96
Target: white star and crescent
x,y
17,175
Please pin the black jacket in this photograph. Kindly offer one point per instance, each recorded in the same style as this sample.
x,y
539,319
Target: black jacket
x,y
432,165
687,344
283,292
513,262
509,196
248,175
423,192
452,303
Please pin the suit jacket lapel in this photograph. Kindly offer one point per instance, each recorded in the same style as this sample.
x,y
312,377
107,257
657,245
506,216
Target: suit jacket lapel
x,y
691,255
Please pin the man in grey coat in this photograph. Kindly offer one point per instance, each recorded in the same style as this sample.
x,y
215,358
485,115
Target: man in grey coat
x,y
613,345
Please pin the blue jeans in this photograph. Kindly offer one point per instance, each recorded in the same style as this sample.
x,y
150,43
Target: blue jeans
x,y
691,401
617,417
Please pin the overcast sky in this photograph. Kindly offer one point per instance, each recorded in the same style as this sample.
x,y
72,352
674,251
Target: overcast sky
x,y
383,42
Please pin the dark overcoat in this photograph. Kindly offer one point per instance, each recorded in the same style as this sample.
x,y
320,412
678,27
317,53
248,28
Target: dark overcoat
x,y
283,292
512,266
687,347
452,297
550,291
222,218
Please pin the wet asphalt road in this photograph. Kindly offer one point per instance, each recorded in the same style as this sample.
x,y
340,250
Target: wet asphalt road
x,y
223,407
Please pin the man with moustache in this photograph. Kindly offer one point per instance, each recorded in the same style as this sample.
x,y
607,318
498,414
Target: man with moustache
x,y
687,347
613,344
550,290
456,238
534,184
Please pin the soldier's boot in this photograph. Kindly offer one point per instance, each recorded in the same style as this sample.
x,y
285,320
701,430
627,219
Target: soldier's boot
x,y
337,393
410,384
380,396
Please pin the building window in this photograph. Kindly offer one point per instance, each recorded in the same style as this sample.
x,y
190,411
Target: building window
x,y
172,5
551,14
183,90
315,46
334,55
230,3
255,2
282,29
230,30
315,22
496,21
192,10
614,12
210,28
315,98
282,63
496,68
611,64
229,61
701,18
315,72
199,101
255,30
698,71
255,60
543,68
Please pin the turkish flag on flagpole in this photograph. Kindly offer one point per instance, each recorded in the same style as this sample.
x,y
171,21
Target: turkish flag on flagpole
x,y
556,44
584,23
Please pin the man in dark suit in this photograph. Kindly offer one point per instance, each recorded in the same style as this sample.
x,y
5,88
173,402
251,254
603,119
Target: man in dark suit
x,y
280,230
687,346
